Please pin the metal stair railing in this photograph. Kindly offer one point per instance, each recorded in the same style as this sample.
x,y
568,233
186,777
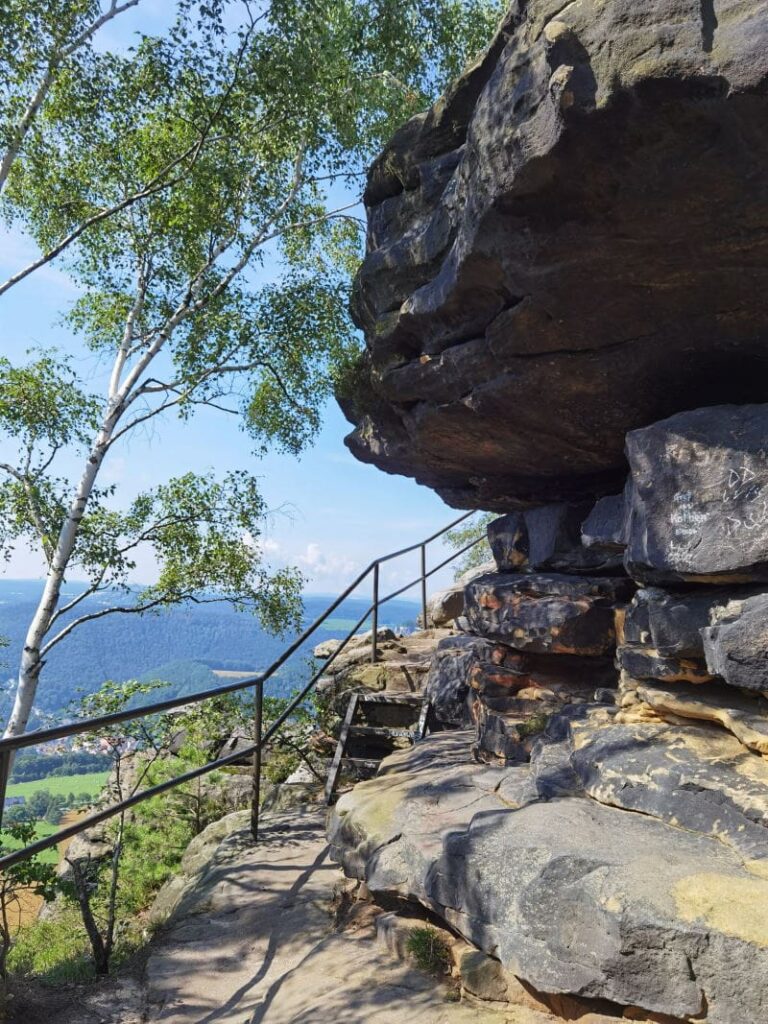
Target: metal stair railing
x,y
11,744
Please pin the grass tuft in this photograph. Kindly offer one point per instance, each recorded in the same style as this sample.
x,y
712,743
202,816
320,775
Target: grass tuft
x,y
429,950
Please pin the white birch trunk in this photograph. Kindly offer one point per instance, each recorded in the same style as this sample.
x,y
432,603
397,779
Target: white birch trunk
x,y
31,663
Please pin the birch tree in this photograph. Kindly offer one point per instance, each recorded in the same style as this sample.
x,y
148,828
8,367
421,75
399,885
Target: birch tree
x,y
186,187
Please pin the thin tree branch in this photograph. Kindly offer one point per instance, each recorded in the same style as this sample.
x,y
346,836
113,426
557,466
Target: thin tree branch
x,y
34,508
19,133
91,616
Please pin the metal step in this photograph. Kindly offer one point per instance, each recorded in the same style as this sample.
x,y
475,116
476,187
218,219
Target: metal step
x,y
384,731
349,730
361,762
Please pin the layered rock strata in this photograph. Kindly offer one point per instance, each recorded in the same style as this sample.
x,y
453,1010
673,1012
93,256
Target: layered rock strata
x,y
570,244
563,306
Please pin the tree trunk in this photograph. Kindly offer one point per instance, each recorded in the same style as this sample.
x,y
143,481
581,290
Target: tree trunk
x,y
98,949
31,660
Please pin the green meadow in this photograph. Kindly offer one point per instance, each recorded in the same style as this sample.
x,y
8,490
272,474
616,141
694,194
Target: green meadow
x,y
61,785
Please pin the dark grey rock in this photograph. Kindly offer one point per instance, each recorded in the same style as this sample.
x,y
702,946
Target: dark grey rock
x,y
508,539
671,622
517,325
647,663
447,685
736,648
699,497
606,525
503,738
571,895
548,538
696,777
550,613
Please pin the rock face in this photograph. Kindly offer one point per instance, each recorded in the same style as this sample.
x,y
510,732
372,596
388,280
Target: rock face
x,y
699,497
546,612
736,647
575,894
563,302
569,245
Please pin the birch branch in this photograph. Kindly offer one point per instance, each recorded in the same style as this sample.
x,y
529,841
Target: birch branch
x,y
26,120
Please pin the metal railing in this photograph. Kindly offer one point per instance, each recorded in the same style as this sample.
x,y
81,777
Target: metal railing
x,y
9,746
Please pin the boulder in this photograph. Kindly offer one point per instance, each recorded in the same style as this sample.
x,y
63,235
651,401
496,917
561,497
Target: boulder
x,y
568,245
550,613
548,537
606,525
671,621
571,895
360,644
736,647
699,497
444,607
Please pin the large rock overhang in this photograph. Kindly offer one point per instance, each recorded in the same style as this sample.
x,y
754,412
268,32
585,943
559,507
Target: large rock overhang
x,y
570,244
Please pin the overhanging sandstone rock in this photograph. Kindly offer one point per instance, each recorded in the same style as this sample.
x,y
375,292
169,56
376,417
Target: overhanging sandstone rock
x,y
569,245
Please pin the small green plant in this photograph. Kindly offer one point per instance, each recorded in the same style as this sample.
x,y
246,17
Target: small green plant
x,y
429,950
534,725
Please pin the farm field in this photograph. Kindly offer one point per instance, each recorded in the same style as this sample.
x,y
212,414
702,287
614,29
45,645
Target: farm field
x,y
61,785
43,829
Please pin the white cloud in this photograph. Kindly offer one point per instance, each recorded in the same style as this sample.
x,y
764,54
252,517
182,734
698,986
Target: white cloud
x,y
266,546
319,563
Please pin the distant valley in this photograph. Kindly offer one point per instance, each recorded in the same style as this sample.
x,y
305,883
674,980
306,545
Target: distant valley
x,y
190,648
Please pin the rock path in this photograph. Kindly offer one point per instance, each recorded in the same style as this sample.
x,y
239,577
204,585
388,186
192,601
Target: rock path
x,y
253,942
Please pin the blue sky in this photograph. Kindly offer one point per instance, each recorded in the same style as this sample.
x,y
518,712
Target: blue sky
x,y
332,513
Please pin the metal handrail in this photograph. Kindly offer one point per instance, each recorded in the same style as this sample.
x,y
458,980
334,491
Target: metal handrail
x,y
10,744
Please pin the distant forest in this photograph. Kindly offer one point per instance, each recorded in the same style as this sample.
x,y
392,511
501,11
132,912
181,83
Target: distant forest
x,y
181,646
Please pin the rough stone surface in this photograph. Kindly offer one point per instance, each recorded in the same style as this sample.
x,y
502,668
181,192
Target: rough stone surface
x,y
445,606
548,537
746,717
569,245
691,776
736,648
546,612
571,895
699,497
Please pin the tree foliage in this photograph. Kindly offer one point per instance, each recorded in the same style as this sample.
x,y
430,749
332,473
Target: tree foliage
x,y
465,534
190,185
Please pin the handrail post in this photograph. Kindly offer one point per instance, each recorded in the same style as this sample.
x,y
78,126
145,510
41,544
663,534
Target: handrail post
x,y
257,732
375,618
424,586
